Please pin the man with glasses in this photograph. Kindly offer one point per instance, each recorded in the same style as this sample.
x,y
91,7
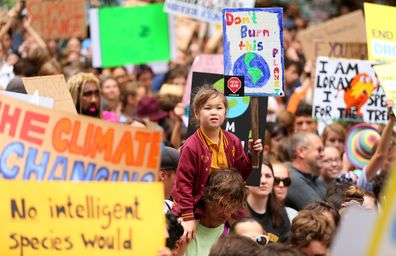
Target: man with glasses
x,y
306,153
331,166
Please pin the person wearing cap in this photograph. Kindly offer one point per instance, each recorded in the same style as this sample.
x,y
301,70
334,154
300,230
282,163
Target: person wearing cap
x,y
169,161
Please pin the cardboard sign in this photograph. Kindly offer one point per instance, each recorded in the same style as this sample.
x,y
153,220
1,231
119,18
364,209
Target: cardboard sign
x,y
383,239
348,90
347,28
253,47
129,35
386,75
37,144
70,218
54,87
346,50
58,19
205,10
381,32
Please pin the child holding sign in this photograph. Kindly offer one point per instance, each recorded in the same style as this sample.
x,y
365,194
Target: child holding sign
x,y
208,149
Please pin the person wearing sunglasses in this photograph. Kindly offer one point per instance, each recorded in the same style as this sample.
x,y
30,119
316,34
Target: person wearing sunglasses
x,y
264,207
282,181
251,228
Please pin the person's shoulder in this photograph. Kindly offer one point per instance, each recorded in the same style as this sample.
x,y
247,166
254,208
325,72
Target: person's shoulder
x,y
230,136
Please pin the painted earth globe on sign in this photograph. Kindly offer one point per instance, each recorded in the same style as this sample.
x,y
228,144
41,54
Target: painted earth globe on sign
x,y
236,105
254,68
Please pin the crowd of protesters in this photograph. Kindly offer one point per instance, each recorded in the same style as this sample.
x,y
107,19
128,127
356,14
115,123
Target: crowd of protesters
x,y
307,180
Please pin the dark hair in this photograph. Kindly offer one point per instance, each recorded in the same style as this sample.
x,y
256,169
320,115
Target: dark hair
x,y
274,207
298,65
141,69
280,249
176,72
235,245
26,68
336,194
243,220
175,230
274,129
324,206
304,109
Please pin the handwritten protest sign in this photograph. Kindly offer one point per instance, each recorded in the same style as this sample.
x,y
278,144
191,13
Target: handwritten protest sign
x,y
386,75
37,144
381,32
346,28
205,10
54,87
129,35
70,218
348,90
253,47
58,19
346,50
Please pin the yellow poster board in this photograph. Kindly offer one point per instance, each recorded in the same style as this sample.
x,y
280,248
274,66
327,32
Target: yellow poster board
x,y
387,77
383,240
41,144
381,32
87,218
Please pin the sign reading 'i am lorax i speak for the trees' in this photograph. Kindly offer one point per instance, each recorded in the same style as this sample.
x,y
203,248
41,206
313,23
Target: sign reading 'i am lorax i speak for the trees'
x,y
253,48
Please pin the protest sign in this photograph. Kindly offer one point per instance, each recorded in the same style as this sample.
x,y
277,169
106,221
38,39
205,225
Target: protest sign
x,y
205,10
32,99
238,119
54,87
253,47
346,50
383,238
58,19
387,77
348,90
381,32
346,28
184,31
81,218
37,144
129,35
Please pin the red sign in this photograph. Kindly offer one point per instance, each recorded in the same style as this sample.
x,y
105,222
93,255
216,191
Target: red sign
x,y
234,84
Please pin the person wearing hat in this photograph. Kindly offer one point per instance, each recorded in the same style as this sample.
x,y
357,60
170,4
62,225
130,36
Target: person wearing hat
x,y
169,161
149,110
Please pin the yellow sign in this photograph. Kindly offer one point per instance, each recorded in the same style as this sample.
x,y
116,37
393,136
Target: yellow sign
x,y
381,32
41,144
384,236
387,77
70,218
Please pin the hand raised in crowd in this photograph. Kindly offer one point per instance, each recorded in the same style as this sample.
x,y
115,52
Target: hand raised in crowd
x,y
257,146
190,228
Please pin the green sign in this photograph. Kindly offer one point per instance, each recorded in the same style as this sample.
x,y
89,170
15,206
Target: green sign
x,y
130,35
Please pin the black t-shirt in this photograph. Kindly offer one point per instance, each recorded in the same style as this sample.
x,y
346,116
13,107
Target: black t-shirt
x,y
275,234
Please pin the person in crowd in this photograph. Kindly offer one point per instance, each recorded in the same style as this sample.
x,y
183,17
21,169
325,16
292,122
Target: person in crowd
x,y
208,149
169,161
85,91
331,166
303,120
130,97
282,181
312,232
264,206
277,132
306,152
280,249
235,245
145,76
250,227
121,75
334,135
223,196
326,208
111,102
